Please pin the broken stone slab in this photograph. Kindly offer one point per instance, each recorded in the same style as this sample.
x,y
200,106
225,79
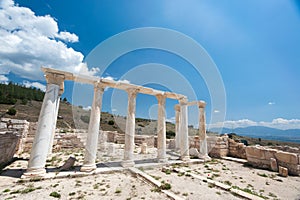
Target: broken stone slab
x,y
194,152
283,171
270,153
166,169
273,163
68,164
287,157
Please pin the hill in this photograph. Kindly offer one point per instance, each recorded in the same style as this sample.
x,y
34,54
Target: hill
x,y
290,135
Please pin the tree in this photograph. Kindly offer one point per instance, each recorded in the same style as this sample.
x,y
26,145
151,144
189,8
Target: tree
x,y
12,111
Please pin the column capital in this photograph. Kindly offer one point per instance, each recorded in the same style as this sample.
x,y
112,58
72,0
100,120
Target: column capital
x,y
201,104
99,86
57,79
161,98
53,78
132,92
183,101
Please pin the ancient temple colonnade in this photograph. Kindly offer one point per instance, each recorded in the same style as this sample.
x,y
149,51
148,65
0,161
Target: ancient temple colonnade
x,y
179,120
43,141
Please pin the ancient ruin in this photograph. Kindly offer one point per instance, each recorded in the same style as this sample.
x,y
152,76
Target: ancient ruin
x,y
43,141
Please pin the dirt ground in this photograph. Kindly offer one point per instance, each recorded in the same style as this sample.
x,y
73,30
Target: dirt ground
x,y
125,185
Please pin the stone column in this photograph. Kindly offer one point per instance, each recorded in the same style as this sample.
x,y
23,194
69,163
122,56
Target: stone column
x,y
130,129
54,129
161,129
46,122
177,121
202,132
183,129
89,163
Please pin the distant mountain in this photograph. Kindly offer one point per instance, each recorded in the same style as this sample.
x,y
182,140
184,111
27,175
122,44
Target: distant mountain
x,y
290,135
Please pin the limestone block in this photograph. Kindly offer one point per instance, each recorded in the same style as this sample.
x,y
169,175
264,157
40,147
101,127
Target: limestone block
x,y
194,152
257,162
223,152
283,171
287,157
144,148
222,146
273,163
270,153
299,159
68,164
256,152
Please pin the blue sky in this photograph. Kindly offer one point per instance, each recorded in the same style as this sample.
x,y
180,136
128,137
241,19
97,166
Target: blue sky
x,y
254,44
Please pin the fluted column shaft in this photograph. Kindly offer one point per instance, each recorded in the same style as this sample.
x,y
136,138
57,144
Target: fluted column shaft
x,y
46,125
202,132
130,129
161,129
184,135
89,162
177,121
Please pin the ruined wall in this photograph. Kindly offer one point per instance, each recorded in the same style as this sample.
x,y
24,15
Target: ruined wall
x,y
267,158
18,127
218,147
286,149
13,134
8,146
224,146
236,149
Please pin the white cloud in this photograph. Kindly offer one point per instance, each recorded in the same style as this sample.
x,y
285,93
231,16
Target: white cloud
x,y
34,84
88,108
68,37
124,81
109,78
171,120
28,42
3,79
278,123
271,103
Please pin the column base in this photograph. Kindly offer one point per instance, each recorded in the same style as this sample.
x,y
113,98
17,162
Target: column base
x,y
127,163
205,157
32,173
185,158
88,168
162,160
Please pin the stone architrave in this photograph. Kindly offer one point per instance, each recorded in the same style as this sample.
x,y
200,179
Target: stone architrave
x,y
177,121
130,129
161,129
183,129
89,163
46,123
202,132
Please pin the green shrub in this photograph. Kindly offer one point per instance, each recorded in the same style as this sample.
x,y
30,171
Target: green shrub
x,y
85,118
55,195
170,134
12,111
